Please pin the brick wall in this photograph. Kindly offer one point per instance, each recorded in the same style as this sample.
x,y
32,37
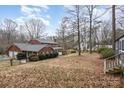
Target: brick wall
x,y
46,49
14,48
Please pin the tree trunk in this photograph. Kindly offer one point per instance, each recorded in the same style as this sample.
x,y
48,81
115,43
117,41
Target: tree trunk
x,y
78,28
113,27
90,42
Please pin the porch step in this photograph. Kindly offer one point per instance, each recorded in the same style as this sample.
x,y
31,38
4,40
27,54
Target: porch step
x,y
115,70
114,64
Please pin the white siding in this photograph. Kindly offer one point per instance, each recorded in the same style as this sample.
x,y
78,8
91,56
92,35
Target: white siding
x,y
10,54
120,45
13,54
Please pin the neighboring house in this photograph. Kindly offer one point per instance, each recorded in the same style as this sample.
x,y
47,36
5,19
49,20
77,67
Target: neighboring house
x,y
85,46
27,48
43,41
101,46
120,44
82,46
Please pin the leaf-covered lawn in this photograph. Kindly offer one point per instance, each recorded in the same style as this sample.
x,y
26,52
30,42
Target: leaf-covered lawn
x,y
66,71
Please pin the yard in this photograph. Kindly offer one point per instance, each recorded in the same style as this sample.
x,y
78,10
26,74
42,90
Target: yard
x,y
65,71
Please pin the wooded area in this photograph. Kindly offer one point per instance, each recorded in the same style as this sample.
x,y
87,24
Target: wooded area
x,y
83,24
90,27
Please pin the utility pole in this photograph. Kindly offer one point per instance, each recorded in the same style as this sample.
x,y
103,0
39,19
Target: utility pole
x,y
113,27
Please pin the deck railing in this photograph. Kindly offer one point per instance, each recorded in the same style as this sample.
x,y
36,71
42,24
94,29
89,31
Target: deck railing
x,y
113,62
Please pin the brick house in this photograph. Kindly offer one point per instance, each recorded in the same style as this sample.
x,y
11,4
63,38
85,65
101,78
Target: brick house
x,y
27,48
49,43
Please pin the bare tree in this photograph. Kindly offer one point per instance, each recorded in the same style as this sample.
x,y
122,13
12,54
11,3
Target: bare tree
x,y
95,30
90,9
35,28
106,32
21,35
62,32
9,30
75,14
72,31
119,20
84,32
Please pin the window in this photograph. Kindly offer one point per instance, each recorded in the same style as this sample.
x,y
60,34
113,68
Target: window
x,y
122,44
119,45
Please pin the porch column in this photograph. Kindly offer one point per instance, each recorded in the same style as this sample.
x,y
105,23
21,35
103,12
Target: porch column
x,y
27,56
37,53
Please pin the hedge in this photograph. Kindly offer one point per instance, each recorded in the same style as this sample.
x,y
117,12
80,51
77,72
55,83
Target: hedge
x,y
106,52
21,56
55,54
46,56
33,57
41,57
101,49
